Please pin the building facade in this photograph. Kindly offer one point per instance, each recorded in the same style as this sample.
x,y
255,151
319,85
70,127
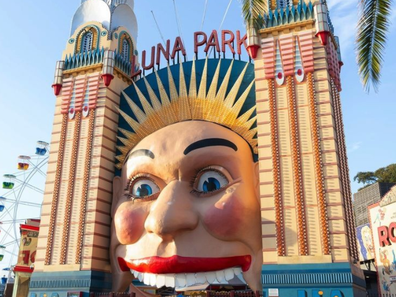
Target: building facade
x,y
73,245
381,216
367,196
26,258
307,228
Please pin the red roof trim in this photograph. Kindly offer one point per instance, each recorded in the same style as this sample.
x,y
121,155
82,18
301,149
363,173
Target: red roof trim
x,y
29,227
23,269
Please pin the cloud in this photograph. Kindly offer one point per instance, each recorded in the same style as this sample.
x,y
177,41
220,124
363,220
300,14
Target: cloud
x,y
354,147
344,16
340,4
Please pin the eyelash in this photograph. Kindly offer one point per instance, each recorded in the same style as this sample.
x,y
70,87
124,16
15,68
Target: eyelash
x,y
196,175
135,178
130,184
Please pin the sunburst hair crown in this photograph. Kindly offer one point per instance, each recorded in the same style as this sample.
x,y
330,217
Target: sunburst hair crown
x,y
170,96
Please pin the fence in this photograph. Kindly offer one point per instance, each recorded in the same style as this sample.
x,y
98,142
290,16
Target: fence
x,y
246,293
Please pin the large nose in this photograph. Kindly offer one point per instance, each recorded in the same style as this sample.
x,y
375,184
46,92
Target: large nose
x,y
173,212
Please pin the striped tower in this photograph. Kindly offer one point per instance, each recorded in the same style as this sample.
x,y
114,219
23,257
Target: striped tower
x,y
307,220
74,239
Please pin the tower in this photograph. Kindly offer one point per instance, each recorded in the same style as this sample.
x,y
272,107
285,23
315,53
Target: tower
x,y
307,219
75,228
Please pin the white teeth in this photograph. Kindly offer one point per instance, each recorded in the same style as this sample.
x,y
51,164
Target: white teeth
x,y
240,276
160,280
200,278
237,270
135,273
182,280
220,276
210,276
153,280
191,279
229,274
170,280
146,278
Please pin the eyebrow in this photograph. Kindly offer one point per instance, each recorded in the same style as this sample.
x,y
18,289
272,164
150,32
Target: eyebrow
x,y
139,153
210,142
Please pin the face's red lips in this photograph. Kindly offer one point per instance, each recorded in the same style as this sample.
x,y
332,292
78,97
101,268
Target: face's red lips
x,y
179,264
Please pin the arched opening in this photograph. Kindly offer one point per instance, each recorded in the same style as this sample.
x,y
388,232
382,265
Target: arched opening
x,y
125,50
87,41
125,46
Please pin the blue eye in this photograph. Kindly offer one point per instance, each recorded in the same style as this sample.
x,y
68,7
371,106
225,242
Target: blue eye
x,y
210,181
143,188
210,185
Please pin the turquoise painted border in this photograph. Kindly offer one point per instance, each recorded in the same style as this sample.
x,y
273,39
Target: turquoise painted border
x,y
307,280
61,283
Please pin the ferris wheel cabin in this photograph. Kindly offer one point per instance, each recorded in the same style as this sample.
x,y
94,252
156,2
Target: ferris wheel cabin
x,y
1,203
2,250
9,181
42,148
23,162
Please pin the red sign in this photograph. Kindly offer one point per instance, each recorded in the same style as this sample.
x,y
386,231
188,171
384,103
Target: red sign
x,y
387,233
226,41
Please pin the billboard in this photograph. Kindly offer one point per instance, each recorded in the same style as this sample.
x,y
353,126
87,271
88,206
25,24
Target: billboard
x,y
365,242
383,223
28,246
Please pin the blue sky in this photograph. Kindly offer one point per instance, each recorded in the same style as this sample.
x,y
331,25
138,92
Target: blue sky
x,y
35,33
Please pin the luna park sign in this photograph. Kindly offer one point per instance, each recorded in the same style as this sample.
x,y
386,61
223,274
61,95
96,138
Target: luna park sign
x,y
218,42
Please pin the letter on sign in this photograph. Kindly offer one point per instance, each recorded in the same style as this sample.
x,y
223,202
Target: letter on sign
x,y
383,236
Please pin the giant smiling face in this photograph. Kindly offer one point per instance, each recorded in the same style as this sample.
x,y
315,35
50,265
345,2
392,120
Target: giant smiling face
x,y
186,209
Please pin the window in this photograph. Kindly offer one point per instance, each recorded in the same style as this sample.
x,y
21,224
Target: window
x,y
125,50
284,3
87,41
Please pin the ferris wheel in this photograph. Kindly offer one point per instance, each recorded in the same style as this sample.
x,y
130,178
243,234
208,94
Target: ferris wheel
x,y
21,196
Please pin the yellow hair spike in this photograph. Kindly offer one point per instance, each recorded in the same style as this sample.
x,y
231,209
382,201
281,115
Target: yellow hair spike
x,y
229,101
236,109
153,97
184,111
223,88
202,86
136,110
246,116
193,83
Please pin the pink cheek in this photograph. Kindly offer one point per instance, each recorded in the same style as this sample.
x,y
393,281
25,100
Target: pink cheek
x,y
129,223
224,218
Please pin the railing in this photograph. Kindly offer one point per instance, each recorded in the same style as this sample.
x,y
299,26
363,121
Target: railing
x,y
112,294
84,59
122,64
246,293
96,57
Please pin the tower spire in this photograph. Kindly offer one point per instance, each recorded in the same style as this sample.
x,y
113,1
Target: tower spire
x,y
110,13
114,3
95,68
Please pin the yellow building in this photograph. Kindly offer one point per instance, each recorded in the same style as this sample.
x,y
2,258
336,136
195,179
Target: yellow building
x,y
26,257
